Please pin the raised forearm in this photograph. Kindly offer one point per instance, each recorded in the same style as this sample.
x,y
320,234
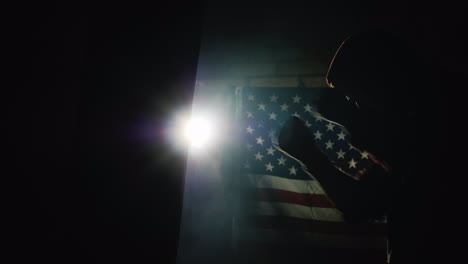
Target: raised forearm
x,y
357,199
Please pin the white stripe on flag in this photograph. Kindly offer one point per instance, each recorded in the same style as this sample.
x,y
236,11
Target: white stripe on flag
x,y
292,185
298,211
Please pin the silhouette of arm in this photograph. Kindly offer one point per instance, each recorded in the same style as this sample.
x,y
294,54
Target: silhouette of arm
x,y
360,200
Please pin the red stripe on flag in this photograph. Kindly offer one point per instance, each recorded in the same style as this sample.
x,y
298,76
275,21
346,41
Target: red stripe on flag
x,y
306,199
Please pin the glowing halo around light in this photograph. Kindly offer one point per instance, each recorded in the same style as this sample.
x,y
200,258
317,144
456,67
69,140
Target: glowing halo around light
x,y
199,132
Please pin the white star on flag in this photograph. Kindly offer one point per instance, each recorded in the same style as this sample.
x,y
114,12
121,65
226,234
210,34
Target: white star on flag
x,y
261,107
318,118
269,167
308,108
296,99
273,98
329,144
272,116
341,135
318,135
281,161
249,130
341,154
249,115
251,97
271,133
364,155
330,126
292,170
284,107
352,163
259,140
271,151
258,156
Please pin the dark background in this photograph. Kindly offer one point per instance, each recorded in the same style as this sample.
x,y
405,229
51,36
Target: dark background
x,y
91,187
94,187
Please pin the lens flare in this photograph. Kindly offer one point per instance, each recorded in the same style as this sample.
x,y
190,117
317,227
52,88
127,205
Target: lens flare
x,y
199,132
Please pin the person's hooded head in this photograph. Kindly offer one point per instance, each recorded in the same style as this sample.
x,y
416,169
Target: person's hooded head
x,y
373,69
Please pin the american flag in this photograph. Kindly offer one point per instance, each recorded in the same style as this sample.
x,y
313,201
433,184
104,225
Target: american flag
x,y
288,202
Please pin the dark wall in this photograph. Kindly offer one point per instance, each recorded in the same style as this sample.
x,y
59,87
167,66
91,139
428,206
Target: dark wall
x,y
98,181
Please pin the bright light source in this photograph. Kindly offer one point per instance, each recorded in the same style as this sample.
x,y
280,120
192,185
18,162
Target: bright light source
x,y
199,132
